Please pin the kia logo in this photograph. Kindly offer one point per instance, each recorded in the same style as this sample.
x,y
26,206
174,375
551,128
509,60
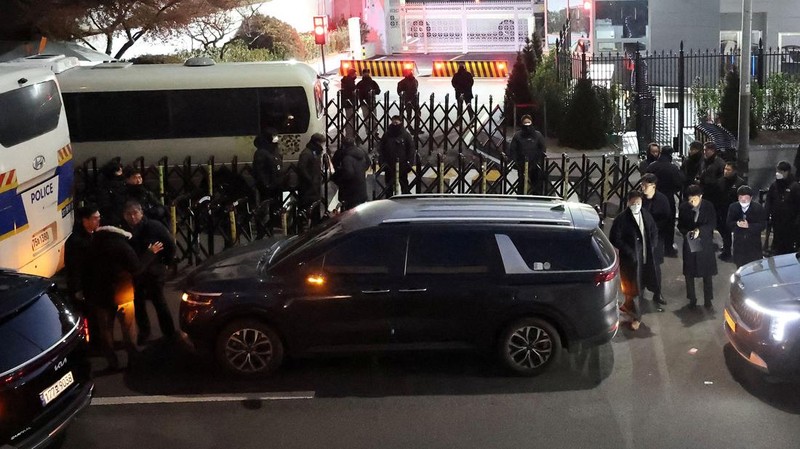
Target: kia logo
x,y
38,162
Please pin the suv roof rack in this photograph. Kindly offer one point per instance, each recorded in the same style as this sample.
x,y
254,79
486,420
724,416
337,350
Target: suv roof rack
x,y
477,195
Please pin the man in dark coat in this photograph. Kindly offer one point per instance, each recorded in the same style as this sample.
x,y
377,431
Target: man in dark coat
x,y
783,205
309,172
712,168
135,190
670,183
747,220
691,166
268,174
634,234
696,222
462,84
109,280
149,285
728,194
111,193
397,147
407,89
652,155
350,173
76,249
348,99
657,205
529,145
367,90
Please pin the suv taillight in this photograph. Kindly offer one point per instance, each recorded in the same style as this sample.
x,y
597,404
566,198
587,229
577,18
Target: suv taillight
x,y
608,275
83,329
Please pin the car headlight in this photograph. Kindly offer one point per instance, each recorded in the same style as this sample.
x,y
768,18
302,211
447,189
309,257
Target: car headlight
x,y
199,298
780,319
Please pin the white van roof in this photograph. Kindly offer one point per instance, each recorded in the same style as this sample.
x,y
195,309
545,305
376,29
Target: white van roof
x,y
115,77
54,63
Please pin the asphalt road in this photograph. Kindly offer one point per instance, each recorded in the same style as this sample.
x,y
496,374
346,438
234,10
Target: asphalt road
x,y
674,383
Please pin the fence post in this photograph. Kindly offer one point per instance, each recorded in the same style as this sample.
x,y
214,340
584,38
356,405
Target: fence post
x,y
440,162
418,174
162,191
526,165
232,219
760,63
446,122
396,186
173,222
483,174
681,102
564,175
431,123
606,193
285,221
584,68
210,170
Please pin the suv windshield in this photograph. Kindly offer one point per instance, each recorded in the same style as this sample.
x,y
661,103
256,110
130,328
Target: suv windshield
x,y
283,249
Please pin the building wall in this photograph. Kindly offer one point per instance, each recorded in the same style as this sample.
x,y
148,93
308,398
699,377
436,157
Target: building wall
x,y
694,22
782,16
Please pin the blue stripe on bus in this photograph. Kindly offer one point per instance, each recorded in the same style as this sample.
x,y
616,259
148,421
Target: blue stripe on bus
x,y
12,214
65,175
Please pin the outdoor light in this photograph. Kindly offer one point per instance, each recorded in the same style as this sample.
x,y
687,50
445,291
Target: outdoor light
x,y
320,29
501,65
587,5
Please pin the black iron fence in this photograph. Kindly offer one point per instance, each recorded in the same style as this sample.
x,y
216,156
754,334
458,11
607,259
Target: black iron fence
x,y
660,94
212,205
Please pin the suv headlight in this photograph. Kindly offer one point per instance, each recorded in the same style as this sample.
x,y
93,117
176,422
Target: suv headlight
x,y
780,319
199,298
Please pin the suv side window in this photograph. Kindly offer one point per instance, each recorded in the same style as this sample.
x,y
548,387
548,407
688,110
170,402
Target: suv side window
x,y
557,250
451,252
367,252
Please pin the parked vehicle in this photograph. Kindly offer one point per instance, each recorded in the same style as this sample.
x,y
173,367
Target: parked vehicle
x,y
521,276
44,374
762,317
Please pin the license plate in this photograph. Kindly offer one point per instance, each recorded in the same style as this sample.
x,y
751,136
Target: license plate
x,y
55,390
43,238
729,320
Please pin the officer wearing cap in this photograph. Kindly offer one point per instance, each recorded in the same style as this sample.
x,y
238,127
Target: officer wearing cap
x,y
309,172
746,219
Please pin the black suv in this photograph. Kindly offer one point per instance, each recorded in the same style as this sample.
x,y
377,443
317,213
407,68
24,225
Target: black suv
x,y
762,317
522,276
44,374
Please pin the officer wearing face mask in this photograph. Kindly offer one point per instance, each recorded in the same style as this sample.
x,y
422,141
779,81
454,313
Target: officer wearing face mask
x,y
635,235
747,219
268,174
783,204
397,151
529,145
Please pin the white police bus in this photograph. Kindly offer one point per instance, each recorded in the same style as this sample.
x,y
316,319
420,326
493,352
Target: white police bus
x,y
198,109
36,171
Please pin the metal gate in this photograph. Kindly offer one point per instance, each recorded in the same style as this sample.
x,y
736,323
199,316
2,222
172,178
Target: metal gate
x,y
463,27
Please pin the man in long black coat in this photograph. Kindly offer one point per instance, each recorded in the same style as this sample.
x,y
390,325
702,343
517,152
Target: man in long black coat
x,y
697,220
747,220
397,147
351,164
670,182
657,205
109,279
462,83
634,234
691,165
309,173
783,207
728,195
348,100
268,175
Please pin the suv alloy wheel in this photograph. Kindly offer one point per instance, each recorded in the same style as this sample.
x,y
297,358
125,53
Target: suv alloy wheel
x,y
529,346
249,348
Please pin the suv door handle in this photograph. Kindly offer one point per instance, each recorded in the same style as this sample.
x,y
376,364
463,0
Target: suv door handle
x,y
373,292
413,290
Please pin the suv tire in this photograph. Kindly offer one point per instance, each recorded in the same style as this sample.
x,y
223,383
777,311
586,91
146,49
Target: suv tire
x,y
249,348
529,346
